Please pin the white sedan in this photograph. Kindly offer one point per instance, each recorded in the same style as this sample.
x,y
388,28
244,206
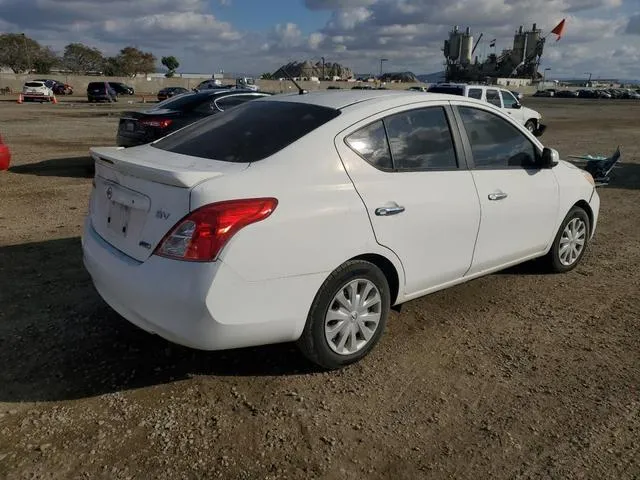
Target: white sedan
x,y
307,217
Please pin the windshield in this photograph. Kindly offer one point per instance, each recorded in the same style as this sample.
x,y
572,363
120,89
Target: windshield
x,y
249,132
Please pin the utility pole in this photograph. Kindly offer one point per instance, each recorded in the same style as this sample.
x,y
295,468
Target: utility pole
x,y
26,52
544,74
323,76
382,60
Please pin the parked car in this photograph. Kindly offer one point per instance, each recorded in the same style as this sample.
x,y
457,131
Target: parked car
x,y
240,230
211,85
566,94
362,87
5,155
101,91
543,93
122,88
334,87
169,92
137,128
36,90
417,89
501,98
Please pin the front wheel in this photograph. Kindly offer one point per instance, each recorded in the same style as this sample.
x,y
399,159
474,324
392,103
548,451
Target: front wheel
x,y
347,317
570,243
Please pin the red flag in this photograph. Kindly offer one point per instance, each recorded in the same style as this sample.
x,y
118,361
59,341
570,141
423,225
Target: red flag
x,y
559,30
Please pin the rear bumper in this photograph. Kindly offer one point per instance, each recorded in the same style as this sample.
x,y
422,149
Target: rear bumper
x,y
200,305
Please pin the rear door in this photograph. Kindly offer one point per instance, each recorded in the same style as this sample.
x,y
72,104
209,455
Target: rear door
x,y
519,200
411,175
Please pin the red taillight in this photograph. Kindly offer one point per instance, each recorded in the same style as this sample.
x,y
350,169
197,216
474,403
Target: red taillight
x,y
156,122
201,235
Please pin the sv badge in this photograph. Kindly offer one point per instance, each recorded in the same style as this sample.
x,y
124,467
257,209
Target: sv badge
x,y
162,214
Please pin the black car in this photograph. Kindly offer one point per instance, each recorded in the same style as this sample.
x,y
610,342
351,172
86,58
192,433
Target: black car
x,y
169,92
101,91
122,88
566,94
138,128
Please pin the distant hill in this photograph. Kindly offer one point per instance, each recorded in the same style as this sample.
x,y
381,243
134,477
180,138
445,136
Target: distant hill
x,y
309,69
432,77
405,77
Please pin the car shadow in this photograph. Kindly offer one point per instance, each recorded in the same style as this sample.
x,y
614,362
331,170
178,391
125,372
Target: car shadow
x,y
77,167
625,176
60,341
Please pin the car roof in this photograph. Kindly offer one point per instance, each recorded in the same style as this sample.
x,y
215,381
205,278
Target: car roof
x,y
341,99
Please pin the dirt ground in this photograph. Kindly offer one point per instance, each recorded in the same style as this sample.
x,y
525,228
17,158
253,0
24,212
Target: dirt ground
x,y
517,375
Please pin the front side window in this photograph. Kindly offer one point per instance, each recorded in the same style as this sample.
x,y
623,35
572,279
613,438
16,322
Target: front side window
x,y
508,99
421,140
475,93
493,97
371,144
495,143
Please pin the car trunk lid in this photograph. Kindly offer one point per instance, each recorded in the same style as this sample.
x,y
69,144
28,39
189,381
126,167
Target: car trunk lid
x,y
141,193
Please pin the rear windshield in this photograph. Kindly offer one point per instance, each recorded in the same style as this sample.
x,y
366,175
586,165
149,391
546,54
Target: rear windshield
x,y
34,84
97,85
447,90
183,103
249,132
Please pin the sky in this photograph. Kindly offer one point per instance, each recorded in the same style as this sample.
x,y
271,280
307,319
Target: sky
x,y
256,36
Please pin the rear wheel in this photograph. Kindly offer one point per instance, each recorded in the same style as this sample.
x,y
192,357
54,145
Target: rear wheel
x,y
348,315
570,243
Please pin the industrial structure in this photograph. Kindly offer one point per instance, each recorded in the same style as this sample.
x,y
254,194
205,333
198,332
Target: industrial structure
x,y
522,61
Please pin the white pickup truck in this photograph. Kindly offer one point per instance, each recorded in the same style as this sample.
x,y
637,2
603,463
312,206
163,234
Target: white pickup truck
x,y
498,97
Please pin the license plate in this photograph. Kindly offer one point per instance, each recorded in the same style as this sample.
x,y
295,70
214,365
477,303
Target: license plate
x,y
130,127
118,218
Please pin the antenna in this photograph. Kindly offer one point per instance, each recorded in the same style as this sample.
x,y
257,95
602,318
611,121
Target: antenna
x,y
301,91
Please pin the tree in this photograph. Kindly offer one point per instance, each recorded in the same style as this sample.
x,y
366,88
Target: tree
x,y
171,63
113,68
80,58
45,59
266,76
132,61
18,52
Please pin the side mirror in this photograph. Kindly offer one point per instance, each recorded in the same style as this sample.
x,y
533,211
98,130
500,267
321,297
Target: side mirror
x,y
550,158
517,105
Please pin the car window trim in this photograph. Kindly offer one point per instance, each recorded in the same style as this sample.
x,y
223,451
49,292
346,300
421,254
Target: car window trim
x,y
458,147
223,97
467,143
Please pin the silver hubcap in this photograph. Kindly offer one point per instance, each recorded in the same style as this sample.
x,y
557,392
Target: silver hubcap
x,y
531,127
353,317
572,241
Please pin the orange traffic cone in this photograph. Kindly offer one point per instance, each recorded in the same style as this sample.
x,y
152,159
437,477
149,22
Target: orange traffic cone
x,y
20,98
55,100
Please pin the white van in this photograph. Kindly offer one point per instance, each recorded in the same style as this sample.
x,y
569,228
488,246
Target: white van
x,y
498,97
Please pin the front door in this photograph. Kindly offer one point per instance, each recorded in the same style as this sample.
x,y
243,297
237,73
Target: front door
x,y
512,106
420,197
519,200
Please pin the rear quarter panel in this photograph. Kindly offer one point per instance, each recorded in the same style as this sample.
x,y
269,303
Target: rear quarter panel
x,y
320,221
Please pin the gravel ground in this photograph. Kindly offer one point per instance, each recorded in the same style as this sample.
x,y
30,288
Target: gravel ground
x,y
516,375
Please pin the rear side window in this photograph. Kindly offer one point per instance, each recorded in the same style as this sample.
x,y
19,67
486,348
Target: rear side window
x,y
475,93
495,143
371,144
421,140
250,132
493,97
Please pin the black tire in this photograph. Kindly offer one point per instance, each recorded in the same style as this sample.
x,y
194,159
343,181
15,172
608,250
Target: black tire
x,y
552,259
313,343
531,125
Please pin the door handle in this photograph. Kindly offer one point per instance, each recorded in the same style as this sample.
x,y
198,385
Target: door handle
x,y
386,211
497,196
